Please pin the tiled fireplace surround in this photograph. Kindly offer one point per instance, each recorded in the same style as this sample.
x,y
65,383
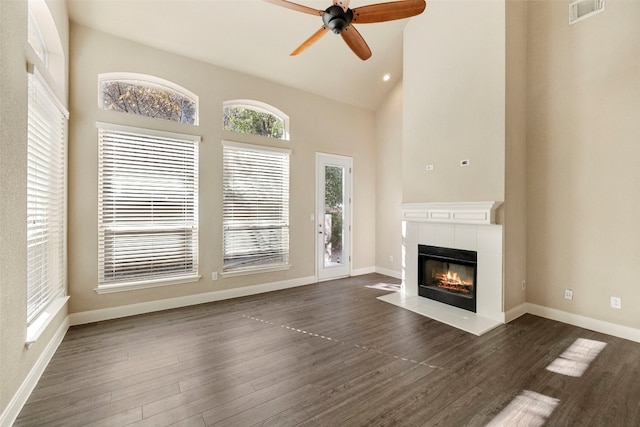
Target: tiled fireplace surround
x,y
457,225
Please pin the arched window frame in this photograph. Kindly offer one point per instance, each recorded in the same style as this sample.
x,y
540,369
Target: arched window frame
x,y
261,107
45,41
35,37
150,81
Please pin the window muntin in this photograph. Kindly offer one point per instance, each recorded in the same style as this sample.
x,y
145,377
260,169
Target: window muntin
x,y
147,206
147,96
46,196
256,118
255,207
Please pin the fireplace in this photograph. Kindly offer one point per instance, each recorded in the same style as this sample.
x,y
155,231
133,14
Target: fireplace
x,y
448,275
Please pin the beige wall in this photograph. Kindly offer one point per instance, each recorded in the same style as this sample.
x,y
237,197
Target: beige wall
x,y
317,125
582,160
514,210
454,102
15,360
461,99
389,182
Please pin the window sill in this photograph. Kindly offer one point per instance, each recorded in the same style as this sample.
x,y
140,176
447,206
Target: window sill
x,y
35,330
254,270
133,286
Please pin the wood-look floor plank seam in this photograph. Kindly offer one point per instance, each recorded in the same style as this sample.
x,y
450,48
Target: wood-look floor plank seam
x,y
329,354
362,347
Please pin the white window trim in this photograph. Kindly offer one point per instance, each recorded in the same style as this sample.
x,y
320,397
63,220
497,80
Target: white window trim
x,y
153,283
262,107
147,284
154,132
42,322
254,147
254,270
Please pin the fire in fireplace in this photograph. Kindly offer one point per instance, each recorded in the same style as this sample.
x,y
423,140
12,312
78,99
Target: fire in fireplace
x,y
448,275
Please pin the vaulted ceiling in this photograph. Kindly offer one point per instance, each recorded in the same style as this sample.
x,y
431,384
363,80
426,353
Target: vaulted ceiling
x,y
256,37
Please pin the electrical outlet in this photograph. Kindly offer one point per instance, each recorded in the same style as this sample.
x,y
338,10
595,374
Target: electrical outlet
x,y
616,302
429,168
568,294
524,284
214,276
390,258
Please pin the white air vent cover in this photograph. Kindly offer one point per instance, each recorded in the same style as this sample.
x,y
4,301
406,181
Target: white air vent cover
x,y
583,9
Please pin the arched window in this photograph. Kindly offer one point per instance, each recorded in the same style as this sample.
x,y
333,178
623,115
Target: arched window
x,y
255,117
45,41
147,96
147,186
35,37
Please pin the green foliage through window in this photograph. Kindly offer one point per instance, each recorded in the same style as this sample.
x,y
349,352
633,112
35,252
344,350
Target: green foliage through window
x,y
248,119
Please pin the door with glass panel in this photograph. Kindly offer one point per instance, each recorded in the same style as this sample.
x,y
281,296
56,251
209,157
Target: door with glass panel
x,y
333,216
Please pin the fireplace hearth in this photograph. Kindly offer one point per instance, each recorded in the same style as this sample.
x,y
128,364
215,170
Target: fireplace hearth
x,y
448,275
469,226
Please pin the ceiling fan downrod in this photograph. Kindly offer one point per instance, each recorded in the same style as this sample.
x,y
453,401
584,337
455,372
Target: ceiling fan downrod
x,y
336,18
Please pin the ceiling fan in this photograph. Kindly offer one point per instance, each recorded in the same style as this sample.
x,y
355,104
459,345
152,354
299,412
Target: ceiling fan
x,y
339,19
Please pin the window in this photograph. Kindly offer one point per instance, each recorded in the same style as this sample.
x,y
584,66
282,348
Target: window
x,y
46,197
147,96
147,208
255,207
35,37
254,117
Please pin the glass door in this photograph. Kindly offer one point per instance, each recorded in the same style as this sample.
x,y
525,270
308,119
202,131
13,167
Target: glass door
x,y
333,216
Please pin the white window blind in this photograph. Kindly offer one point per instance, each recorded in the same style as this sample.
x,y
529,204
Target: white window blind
x,y
255,207
147,206
46,196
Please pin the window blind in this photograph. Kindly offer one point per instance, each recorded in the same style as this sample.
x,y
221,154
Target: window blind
x,y
147,206
46,196
255,207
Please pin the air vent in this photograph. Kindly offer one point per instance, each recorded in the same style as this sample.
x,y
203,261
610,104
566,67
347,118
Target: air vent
x,y
584,9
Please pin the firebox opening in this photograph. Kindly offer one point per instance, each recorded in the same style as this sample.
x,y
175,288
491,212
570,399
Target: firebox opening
x,y
448,276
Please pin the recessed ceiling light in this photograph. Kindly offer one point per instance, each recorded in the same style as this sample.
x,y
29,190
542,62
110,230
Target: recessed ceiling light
x,y
386,77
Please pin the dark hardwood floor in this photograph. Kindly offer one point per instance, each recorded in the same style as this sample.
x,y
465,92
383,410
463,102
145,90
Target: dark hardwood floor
x,y
331,354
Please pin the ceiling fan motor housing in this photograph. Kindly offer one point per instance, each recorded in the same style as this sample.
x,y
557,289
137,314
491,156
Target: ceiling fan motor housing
x,y
336,19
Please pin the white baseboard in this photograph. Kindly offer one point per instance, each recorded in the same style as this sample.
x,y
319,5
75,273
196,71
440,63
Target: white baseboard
x,y
19,399
390,273
361,271
516,312
166,304
616,330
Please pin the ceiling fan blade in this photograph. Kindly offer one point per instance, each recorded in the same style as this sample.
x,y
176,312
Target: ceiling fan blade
x,y
344,4
355,41
310,41
389,11
296,6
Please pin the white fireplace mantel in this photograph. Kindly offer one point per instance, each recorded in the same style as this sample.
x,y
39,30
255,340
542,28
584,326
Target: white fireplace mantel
x,y
451,212
457,225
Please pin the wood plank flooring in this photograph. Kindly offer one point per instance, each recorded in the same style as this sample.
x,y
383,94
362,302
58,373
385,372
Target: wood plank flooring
x,y
331,354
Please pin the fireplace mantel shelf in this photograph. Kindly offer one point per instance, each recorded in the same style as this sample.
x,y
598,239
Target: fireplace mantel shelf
x,y
451,212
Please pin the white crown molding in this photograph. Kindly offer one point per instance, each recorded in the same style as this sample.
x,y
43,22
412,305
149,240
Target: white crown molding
x,y
451,212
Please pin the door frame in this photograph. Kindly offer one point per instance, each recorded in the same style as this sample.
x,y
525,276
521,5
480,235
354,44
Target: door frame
x,y
342,161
